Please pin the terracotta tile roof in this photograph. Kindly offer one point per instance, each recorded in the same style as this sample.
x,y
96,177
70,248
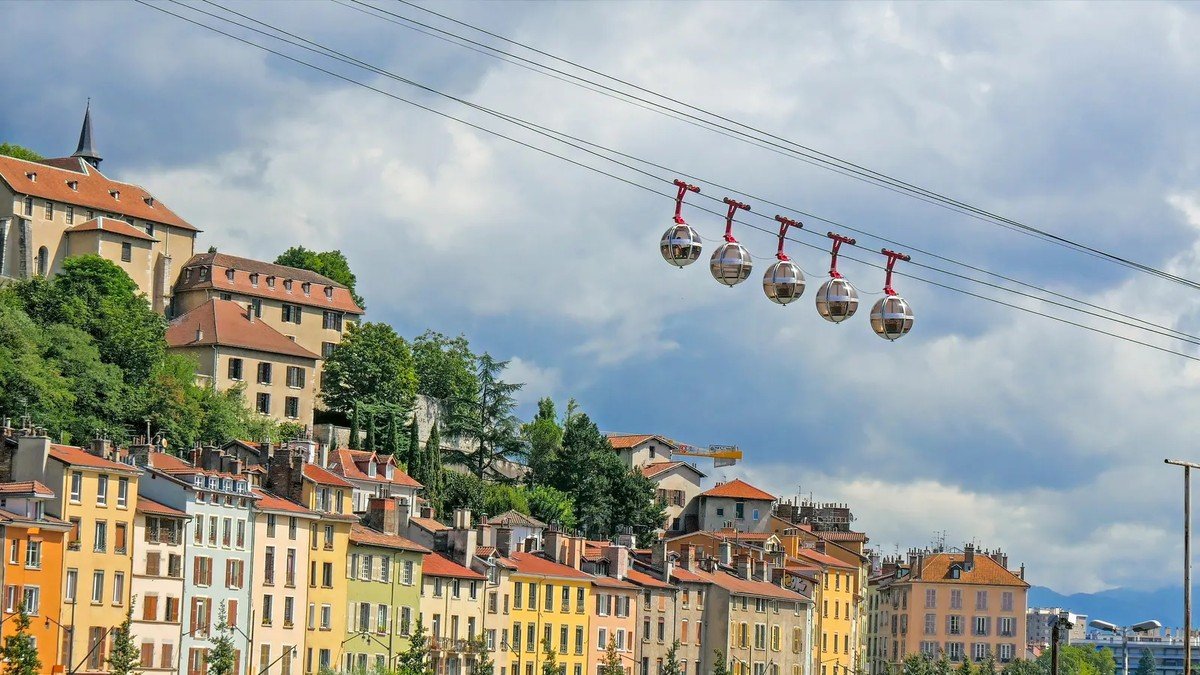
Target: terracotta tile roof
x,y
22,520
485,551
167,462
346,463
744,536
535,564
428,524
93,189
842,536
223,322
823,559
652,470
516,518
271,502
322,477
738,489
738,586
438,565
69,454
145,505
26,487
628,441
361,534
680,574
936,568
118,227
339,298
646,580
609,582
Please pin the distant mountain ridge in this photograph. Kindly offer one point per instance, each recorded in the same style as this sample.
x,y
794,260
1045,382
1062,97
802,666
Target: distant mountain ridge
x,y
1122,606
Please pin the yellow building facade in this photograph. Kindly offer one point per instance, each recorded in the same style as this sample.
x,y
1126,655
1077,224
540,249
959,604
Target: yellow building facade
x,y
549,600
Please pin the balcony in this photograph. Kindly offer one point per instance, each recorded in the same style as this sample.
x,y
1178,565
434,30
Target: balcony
x,y
73,545
445,644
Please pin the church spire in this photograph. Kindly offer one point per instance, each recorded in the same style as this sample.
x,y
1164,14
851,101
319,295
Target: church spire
x,y
87,150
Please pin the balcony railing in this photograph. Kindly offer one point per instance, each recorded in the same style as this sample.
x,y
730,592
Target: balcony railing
x,y
445,644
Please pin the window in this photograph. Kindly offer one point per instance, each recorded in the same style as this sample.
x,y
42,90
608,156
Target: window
x,y
291,407
49,210
292,528
76,486
327,349
262,403
226,532
1006,653
122,492
235,368
269,566
1006,627
291,313
270,526
930,598
126,251
120,539
326,616
199,531
175,566
295,377
101,543
931,624
264,372
43,261
981,600
579,600
96,655
289,578
32,599
327,575
267,607
1006,601
102,491
954,625
289,611
97,587
332,320
979,651
29,206
407,579
955,599
202,571
72,584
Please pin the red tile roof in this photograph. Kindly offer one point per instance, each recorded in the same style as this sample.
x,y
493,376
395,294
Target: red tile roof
x,y
118,227
322,477
738,489
361,534
680,574
346,463
26,487
516,518
438,565
92,190
646,580
485,551
145,505
652,470
69,454
629,441
225,323
536,564
936,568
272,502
738,586
824,559
340,298
842,536
167,462
428,524
609,582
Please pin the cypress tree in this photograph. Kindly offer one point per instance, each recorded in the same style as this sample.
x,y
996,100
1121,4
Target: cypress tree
x,y
354,428
370,430
396,447
412,453
431,469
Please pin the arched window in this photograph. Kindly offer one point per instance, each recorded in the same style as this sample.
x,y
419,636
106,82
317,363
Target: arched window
x,y
43,261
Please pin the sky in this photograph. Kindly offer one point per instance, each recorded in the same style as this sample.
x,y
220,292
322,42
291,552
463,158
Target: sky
x,y
985,423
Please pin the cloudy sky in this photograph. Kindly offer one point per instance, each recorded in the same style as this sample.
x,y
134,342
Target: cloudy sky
x,y
986,423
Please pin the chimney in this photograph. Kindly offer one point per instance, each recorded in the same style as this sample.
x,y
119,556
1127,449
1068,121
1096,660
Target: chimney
x,y
33,452
383,515
462,519
484,533
552,544
758,569
969,557
575,548
100,447
626,538
403,512
668,568
742,562
462,538
199,334
658,554
504,540
726,555
250,312
687,557
919,564
1022,572
618,560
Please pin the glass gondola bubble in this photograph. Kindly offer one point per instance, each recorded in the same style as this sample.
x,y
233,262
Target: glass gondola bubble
x,y
730,263
891,317
836,298
783,282
680,244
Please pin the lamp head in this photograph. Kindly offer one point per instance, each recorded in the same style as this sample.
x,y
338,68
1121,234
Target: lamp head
x,y
1146,626
1105,626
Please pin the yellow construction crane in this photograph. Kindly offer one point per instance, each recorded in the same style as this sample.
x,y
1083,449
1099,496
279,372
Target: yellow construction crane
x,y
721,455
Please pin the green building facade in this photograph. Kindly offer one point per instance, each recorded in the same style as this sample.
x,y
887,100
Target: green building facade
x,y
384,589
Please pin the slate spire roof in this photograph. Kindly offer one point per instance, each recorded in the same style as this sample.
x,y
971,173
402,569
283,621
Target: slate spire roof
x,y
87,148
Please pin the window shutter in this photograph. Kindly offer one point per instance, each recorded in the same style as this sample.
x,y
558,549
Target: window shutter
x,y
352,618
192,625
196,570
350,566
231,614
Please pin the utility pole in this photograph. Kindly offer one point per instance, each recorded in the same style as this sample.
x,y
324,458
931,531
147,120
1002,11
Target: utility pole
x,y
1187,560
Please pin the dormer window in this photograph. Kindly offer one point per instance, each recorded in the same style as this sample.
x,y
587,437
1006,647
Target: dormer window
x,y
39,510
254,279
149,201
389,471
306,287
31,176
213,483
115,194
372,469
198,481
329,292
287,285
956,571
73,184
187,275
204,271
227,485
239,486
271,282
229,274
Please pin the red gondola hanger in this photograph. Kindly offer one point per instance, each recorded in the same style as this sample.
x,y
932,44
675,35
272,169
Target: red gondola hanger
x,y
838,240
684,188
892,316
783,282
680,245
784,224
734,205
892,257
731,263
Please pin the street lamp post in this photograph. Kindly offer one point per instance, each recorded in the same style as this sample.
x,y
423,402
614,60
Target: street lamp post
x,y
1187,560
1143,627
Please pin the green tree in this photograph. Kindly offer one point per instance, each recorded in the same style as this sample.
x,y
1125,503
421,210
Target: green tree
x,y
124,658
988,666
372,366
221,655
1146,664
412,453
549,659
331,264
19,651
1022,667
964,668
720,664
612,660
20,152
433,474
355,441
916,664
463,491
482,664
498,498
415,659
671,665
396,438
543,436
489,420
942,665
551,506
370,424
446,371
